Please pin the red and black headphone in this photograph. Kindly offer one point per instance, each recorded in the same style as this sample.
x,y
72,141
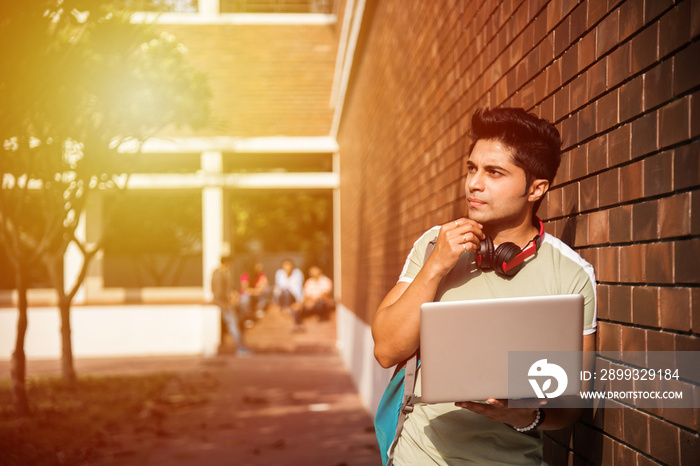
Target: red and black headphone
x,y
506,258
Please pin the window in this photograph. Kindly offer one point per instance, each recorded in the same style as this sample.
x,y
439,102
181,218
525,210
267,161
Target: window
x,y
277,163
276,6
37,276
269,222
154,239
158,163
163,6
28,212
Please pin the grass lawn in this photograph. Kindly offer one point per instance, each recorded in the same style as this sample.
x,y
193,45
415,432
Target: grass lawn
x,y
69,427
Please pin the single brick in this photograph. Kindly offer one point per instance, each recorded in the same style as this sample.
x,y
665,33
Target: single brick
x,y
644,49
674,308
619,65
686,266
674,29
687,69
658,174
675,216
619,145
630,101
621,224
664,441
644,131
658,84
631,17
674,122
645,306
607,33
662,256
607,111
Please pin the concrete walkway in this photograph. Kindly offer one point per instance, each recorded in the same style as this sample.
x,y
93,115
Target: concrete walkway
x,y
290,403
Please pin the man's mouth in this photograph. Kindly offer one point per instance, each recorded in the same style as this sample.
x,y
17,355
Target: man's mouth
x,y
475,202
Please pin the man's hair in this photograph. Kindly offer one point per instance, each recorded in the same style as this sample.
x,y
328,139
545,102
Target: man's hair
x,y
535,143
225,260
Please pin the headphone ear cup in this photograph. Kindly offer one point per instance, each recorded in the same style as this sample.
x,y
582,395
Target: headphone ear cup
x,y
505,253
486,253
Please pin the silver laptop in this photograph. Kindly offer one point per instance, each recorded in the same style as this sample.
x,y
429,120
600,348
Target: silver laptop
x,y
465,348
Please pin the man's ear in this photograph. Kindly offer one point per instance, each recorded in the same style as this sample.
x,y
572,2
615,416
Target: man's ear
x,y
537,190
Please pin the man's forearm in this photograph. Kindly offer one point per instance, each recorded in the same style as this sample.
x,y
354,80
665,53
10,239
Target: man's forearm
x,y
396,325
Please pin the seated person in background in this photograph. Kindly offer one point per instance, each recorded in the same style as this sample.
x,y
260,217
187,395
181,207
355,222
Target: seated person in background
x,y
318,294
289,284
255,293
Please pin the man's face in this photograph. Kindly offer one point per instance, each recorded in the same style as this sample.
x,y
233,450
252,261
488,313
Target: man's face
x,y
495,186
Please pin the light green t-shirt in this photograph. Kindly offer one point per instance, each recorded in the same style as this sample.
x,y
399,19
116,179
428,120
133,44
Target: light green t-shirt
x,y
444,434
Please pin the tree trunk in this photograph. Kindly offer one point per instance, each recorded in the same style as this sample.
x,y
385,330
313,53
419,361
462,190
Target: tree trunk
x,y
18,367
67,368
54,267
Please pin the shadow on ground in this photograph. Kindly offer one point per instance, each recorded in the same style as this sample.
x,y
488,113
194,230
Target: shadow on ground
x,y
291,403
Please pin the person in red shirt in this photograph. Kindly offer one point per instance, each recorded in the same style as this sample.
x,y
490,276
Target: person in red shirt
x,y
255,292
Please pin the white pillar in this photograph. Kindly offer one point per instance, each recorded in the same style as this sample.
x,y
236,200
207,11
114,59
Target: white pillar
x,y
336,233
342,49
213,245
209,8
348,57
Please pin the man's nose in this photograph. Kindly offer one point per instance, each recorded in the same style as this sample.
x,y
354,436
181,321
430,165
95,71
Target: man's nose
x,y
475,182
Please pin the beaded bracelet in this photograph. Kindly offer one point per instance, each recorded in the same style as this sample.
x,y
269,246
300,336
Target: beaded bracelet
x,y
539,419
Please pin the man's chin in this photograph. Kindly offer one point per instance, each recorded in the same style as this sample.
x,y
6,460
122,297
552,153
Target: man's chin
x,y
478,216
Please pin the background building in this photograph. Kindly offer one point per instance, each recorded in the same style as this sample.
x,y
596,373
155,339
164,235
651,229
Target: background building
x,y
193,197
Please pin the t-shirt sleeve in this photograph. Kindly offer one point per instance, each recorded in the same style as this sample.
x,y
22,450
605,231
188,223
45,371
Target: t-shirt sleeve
x,y
590,311
584,284
415,258
327,285
576,276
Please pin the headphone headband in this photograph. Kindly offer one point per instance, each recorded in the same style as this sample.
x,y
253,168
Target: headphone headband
x,y
507,257
528,251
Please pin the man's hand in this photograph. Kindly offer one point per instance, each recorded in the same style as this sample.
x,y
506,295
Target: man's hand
x,y
498,410
396,324
455,238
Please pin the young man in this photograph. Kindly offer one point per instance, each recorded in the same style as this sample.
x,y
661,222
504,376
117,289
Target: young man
x,y
221,287
510,167
318,294
289,290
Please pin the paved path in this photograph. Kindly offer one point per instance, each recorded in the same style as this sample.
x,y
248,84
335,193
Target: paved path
x,y
291,403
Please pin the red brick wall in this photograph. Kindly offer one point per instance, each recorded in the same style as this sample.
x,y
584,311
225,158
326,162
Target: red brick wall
x,y
621,80
266,80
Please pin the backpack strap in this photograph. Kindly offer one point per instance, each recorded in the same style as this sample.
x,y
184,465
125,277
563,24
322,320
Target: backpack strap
x,y
409,383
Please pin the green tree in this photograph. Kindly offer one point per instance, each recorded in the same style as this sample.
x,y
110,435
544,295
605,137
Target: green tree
x,y
285,221
158,239
78,79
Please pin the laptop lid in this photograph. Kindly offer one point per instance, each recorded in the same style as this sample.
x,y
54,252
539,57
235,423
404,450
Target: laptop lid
x,y
465,345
